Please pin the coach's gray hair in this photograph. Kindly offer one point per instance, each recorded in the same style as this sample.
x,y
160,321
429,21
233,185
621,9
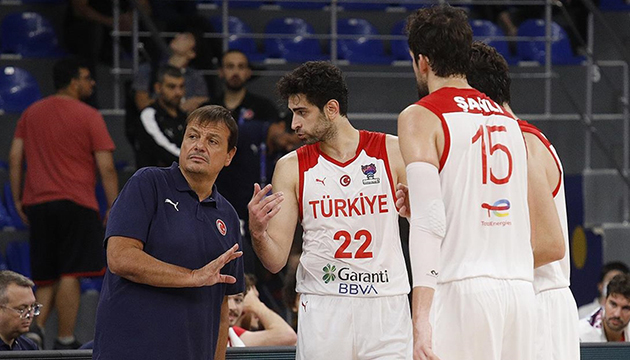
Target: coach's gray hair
x,y
8,277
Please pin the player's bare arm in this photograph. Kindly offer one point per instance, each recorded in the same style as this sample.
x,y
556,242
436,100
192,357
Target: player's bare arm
x,y
272,219
542,175
397,165
126,258
224,325
421,142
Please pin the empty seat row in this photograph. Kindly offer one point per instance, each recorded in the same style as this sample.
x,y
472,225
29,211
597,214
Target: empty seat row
x,y
363,47
372,5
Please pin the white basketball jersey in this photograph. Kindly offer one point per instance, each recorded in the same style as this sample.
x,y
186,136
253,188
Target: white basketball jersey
x,y
483,174
555,275
351,242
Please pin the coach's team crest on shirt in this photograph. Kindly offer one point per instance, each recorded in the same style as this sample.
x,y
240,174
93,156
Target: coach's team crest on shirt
x,y
221,227
369,171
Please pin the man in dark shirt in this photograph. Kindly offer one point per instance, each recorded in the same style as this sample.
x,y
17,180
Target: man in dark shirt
x,y
262,135
17,310
162,122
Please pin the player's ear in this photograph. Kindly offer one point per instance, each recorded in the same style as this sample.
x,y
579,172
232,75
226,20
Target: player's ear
x,y
331,109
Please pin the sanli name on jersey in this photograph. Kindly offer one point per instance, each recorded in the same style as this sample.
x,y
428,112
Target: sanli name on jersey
x,y
485,105
352,282
357,206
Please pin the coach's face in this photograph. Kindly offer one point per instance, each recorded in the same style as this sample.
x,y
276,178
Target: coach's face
x,y
204,150
616,312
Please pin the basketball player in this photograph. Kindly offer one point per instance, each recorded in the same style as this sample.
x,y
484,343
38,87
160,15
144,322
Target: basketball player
x,y
475,205
351,275
557,328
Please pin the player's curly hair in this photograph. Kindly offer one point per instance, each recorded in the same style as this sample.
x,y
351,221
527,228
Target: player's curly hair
x,y
443,35
489,73
319,81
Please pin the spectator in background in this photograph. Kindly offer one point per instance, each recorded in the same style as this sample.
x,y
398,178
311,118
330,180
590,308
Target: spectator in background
x,y
183,50
609,271
64,142
162,124
610,322
275,331
87,26
261,132
18,308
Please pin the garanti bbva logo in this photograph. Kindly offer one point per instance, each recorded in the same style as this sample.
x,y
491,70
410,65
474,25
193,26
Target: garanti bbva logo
x,y
329,273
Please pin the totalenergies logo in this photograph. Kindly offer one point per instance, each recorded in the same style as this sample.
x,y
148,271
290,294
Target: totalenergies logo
x,y
499,208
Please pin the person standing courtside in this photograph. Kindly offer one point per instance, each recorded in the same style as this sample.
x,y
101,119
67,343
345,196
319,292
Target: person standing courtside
x,y
169,235
474,202
163,122
557,332
64,142
351,276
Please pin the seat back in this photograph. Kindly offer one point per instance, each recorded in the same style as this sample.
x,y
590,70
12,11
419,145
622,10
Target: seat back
x,y
29,34
9,204
237,28
360,49
298,48
534,50
367,5
400,48
19,257
18,89
485,30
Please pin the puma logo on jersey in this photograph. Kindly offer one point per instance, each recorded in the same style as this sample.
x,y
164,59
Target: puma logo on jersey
x,y
169,201
321,181
304,305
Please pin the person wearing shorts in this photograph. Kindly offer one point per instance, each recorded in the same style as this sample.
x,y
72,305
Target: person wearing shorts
x,y
64,142
351,276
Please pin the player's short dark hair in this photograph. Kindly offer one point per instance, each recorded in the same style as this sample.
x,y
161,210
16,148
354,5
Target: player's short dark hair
x,y
65,70
489,73
613,265
8,277
620,284
233,51
443,35
319,81
216,114
169,70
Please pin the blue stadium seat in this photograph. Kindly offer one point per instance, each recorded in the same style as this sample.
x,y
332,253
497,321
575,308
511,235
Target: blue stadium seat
x,y
296,49
16,221
29,34
303,4
360,50
614,5
19,257
3,263
18,89
483,30
412,4
561,53
400,48
5,219
237,29
91,284
237,4
367,5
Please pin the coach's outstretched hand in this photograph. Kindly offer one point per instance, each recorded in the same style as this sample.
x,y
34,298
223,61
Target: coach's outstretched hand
x,y
211,273
261,209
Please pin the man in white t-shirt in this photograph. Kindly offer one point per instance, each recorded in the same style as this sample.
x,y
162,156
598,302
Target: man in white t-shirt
x,y
610,322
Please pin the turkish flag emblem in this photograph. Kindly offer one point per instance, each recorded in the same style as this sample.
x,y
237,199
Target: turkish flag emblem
x,y
221,226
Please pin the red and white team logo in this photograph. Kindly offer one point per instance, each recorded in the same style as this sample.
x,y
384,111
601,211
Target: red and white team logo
x,y
221,226
345,180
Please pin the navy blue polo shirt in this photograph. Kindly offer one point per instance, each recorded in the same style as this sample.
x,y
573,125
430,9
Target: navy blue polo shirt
x,y
19,344
137,321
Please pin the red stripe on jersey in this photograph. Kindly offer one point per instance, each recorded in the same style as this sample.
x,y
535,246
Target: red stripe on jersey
x,y
531,129
376,146
307,158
